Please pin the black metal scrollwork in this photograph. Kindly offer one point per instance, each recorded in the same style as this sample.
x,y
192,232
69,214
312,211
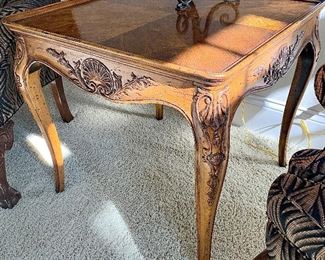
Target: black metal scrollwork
x,y
187,12
183,4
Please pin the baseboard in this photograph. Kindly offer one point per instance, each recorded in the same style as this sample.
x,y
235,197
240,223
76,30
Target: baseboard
x,y
315,114
264,116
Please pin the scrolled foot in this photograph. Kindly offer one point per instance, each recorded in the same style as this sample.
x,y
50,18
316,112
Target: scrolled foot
x,y
9,197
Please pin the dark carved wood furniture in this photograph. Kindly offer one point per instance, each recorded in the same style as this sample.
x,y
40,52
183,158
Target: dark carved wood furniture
x,y
143,51
8,195
10,99
296,209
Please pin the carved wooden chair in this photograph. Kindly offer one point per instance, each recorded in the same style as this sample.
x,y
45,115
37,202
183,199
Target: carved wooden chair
x,y
296,203
10,99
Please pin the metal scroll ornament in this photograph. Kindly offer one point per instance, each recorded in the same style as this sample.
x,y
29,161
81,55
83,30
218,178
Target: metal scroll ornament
x,y
93,76
212,113
227,12
183,4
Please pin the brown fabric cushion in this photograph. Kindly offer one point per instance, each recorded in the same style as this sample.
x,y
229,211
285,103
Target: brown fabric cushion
x,y
320,85
296,209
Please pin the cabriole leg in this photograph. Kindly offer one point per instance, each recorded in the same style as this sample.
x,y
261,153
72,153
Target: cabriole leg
x,y
30,87
61,101
35,100
159,112
211,125
306,63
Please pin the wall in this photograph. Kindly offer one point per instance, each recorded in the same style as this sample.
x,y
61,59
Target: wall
x,y
263,110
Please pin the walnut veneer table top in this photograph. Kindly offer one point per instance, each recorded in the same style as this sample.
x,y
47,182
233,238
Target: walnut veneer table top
x,y
201,60
147,29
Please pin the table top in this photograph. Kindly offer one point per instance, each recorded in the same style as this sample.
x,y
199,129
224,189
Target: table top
x,y
209,36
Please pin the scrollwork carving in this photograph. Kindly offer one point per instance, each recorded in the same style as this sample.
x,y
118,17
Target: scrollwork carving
x,y
316,30
317,38
93,76
212,113
19,55
282,63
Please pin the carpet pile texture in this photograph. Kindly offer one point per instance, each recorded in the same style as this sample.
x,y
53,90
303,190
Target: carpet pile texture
x,y
129,188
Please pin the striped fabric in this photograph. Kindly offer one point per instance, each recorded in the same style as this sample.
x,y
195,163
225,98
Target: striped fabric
x,y
296,209
10,99
2,3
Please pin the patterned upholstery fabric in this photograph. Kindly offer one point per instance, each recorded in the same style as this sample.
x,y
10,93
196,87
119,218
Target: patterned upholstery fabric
x,y
319,85
3,2
10,99
296,209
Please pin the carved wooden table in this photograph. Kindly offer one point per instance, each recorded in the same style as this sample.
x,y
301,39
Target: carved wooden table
x,y
145,51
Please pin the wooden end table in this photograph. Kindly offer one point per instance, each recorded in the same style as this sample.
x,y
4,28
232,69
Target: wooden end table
x,y
145,51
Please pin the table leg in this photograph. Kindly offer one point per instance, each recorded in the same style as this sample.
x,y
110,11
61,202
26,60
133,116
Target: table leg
x,y
61,101
9,197
211,126
159,112
31,89
306,63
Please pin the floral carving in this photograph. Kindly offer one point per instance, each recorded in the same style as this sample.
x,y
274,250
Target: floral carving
x,y
282,63
317,38
212,112
93,76
316,30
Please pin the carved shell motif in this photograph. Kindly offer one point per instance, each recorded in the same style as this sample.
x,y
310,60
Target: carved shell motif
x,y
93,76
98,78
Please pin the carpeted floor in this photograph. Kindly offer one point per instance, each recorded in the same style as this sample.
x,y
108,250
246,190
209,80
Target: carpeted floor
x,y
129,188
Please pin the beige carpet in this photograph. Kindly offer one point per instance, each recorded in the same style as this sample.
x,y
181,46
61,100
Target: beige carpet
x,y
129,188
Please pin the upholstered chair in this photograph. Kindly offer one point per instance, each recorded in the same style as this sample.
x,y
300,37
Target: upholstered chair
x,y
296,203
10,99
296,209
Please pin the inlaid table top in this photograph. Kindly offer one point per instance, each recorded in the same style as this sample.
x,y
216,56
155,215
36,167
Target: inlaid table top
x,y
201,59
223,32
